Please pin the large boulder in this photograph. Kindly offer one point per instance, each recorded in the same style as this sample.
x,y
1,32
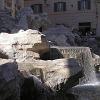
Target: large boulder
x,y
23,45
51,72
9,80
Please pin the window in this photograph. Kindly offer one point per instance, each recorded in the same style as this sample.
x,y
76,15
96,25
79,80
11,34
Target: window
x,y
59,6
84,4
37,8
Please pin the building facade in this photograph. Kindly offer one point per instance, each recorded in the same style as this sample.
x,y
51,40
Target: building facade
x,y
77,14
82,15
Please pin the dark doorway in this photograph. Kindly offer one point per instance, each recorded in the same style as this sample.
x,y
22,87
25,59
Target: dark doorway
x,y
85,28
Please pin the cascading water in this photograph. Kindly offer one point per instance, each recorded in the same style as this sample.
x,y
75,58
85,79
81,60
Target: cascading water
x,y
89,87
88,68
84,57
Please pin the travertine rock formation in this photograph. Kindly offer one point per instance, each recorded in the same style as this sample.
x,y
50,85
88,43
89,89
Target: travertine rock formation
x,y
51,72
9,80
75,60
46,78
23,45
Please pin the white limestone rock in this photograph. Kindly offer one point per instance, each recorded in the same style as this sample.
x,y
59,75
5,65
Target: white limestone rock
x,y
51,72
23,44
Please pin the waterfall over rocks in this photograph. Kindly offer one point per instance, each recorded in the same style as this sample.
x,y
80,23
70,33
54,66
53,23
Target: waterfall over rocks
x,y
88,87
84,58
55,76
88,68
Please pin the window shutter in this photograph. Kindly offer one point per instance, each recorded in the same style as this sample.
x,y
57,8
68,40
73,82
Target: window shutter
x,y
55,7
64,6
79,5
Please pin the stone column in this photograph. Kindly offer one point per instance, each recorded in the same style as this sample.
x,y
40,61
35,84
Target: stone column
x,y
97,5
2,4
13,7
22,3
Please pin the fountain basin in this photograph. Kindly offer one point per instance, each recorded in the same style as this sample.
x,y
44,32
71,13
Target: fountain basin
x,y
87,91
